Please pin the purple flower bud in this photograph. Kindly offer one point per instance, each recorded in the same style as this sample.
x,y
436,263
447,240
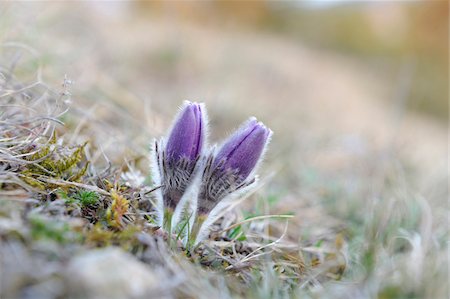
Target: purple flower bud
x,y
178,160
187,134
242,151
230,169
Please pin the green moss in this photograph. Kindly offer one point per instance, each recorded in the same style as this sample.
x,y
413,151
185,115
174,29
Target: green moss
x,y
54,161
86,198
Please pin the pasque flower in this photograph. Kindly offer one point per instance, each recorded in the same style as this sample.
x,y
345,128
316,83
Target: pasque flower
x,y
229,170
174,161
195,186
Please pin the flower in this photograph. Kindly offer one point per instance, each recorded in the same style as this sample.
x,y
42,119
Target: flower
x,y
231,168
187,135
192,189
174,162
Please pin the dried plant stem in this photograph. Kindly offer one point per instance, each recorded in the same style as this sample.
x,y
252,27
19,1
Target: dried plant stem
x,y
80,185
255,219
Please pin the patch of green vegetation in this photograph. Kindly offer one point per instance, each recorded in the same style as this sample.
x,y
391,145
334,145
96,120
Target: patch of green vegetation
x,y
86,198
50,229
396,292
237,233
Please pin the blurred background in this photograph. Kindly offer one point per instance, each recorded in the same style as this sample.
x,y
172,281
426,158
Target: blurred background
x,y
355,92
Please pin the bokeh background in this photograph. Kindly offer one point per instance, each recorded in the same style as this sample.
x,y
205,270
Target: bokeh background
x,y
355,92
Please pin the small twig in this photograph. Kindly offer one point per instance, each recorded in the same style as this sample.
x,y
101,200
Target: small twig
x,y
88,187
153,189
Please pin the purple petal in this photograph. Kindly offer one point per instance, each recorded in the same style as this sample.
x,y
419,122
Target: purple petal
x,y
244,148
186,137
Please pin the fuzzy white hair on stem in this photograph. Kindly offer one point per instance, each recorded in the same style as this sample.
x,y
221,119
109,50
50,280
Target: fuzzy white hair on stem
x,y
156,173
